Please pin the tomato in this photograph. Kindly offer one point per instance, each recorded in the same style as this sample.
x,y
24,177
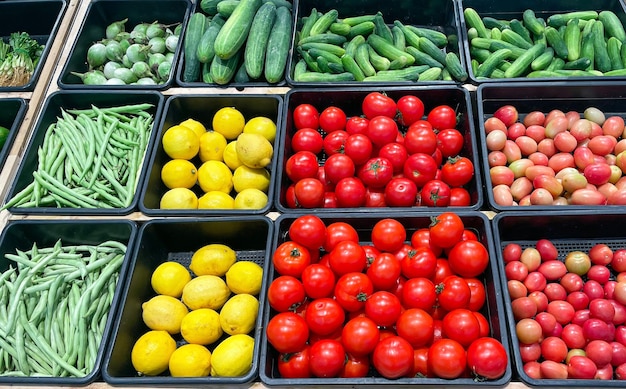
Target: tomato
x,y
376,172
338,166
457,171
382,130
393,357
419,262
383,308
419,292
420,139
309,231
461,325
582,367
468,258
421,238
294,365
453,293
324,316
400,192
410,109
318,281
435,193
450,142
446,229
327,358
357,125
352,291
334,142
290,258
442,117
302,164
287,332
375,198
355,367
286,293
477,293
447,359
442,270
333,119
305,116
416,326
338,232
360,336
350,192
307,139
359,148
378,104
487,358
384,271
420,168
388,235
309,193
396,153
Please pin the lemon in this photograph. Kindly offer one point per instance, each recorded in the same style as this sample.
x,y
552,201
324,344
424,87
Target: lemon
x,y
213,259
212,145
250,199
190,360
216,200
179,198
180,142
179,173
245,277
194,125
245,177
201,326
239,314
215,175
169,278
151,352
205,292
163,312
261,125
229,122
254,150
233,356
231,159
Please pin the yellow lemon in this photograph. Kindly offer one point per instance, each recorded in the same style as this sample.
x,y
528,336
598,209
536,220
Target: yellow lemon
x,y
190,360
245,177
245,277
239,314
254,150
194,125
212,145
180,142
261,125
229,122
179,198
201,326
205,292
169,278
213,259
215,175
250,199
233,356
231,159
216,200
151,352
179,173
163,313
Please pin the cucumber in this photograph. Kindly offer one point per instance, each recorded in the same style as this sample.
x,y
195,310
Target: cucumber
x,y
350,65
428,47
586,49
437,37
378,61
532,23
355,42
618,72
324,64
206,73
480,55
572,40
492,23
556,64
205,51
556,42
422,58
388,50
310,61
328,37
397,38
354,20
339,28
281,3
486,68
484,43
193,35
558,20
241,76
543,61
613,47
299,68
496,33
409,73
278,43
324,77
600,52
454,67
579,64
471,34
223,70
472,19
258,38
431,74
307,23
322,24
381,28
234,32
364,29
515,39
225,8
411,38
516,51
398,63
522,63
622,53
520,30
334,49
209,6
362,59
331,57
612,25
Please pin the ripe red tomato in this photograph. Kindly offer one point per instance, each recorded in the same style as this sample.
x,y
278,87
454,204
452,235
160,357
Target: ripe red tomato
x,y
347,257
400,192
290,259
450,142
447,359
355,367
378,104
416,326
442,117
357,125
352,290
477,293
309,193
287,332
302,164
420,363
333,119
309,231
468,258
375,198
334,142
337,167
419,262
305,116
420,139
459,197
453,293
382,130
396,153
286,293
435,193
384,271
376,172
421,238
461,325
360,336
294,365
318,281
487,358
393,357
338,232
324,316
307,139
350,192
388,235
359,148
446,229
383,308
419,292
327,358
420,168
410,109
457,171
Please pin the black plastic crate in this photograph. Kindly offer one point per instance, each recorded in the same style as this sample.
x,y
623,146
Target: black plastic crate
x,y
436,15
173,239
543,9
528,97
40,19
493,309
568,231
12,111
202,108
349,100
64,100
22,234
100,14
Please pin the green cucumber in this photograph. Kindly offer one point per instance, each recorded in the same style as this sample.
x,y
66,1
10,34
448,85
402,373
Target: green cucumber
x,y
543,61
496,33
354,20
209,6
556,64
428,47
572,40
411,38
378,61
381,28
307,24
618,72
532,23
322,24
558,20
586,49
520,30
471,34
437,37
225,8
350,65
387,49
613,47
578,64
409,73
522,63
422,58
316,52
612,25
515,39
195,29
234,32
336,50
223,70
241,76
453,65
278,46
299,68
431,74
480,55
472,19
281,3
324,77
492,23
205,50
397,38
601,55
556,41
328,37
353,43
206,73
362,59
364,29
486,68
258,38
622,53
339,28
310,61
516,51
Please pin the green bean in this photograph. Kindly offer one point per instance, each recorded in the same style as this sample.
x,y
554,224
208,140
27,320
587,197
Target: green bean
x,y
100,153
91,154
21,196
130,108
20,348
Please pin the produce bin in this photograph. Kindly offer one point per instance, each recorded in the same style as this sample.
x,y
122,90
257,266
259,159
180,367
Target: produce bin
x,y
202,108
436,15
175,239
514,10
12,111
493,308
63,101
527,97
100,14
21,235
568,232
41,20
349,100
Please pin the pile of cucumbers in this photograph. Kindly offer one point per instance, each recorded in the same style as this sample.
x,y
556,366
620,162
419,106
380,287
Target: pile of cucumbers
x,y
237,41
570,44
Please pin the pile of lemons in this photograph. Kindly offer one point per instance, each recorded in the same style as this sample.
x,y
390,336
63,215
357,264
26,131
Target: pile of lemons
x,y
228,162
199,322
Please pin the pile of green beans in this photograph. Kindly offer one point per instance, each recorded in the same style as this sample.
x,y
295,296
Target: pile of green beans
x,y
89,158
54,304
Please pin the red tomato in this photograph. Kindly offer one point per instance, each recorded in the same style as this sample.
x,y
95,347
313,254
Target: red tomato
x,y
396,153
383,308
410,109
286,293
450,142
357,125
290,258
352,291
355,367
447,359
459,197
378,104
302,164
420,168
446,229
334,142
468,258
420,362
309,231
307,139
419,292
333,119
294,365
287,332
435,193
327,358
324,316
350,192
309,193
477,293
306,116
359,148
487,358
453,293
338,166
384,271
318,281
420,139
338,232
393,357
442,271
400,192
416,326
376,172
375,198
461,325
360,336
421,238
457,171
485,330
382,130
419,262
388,235
442,117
